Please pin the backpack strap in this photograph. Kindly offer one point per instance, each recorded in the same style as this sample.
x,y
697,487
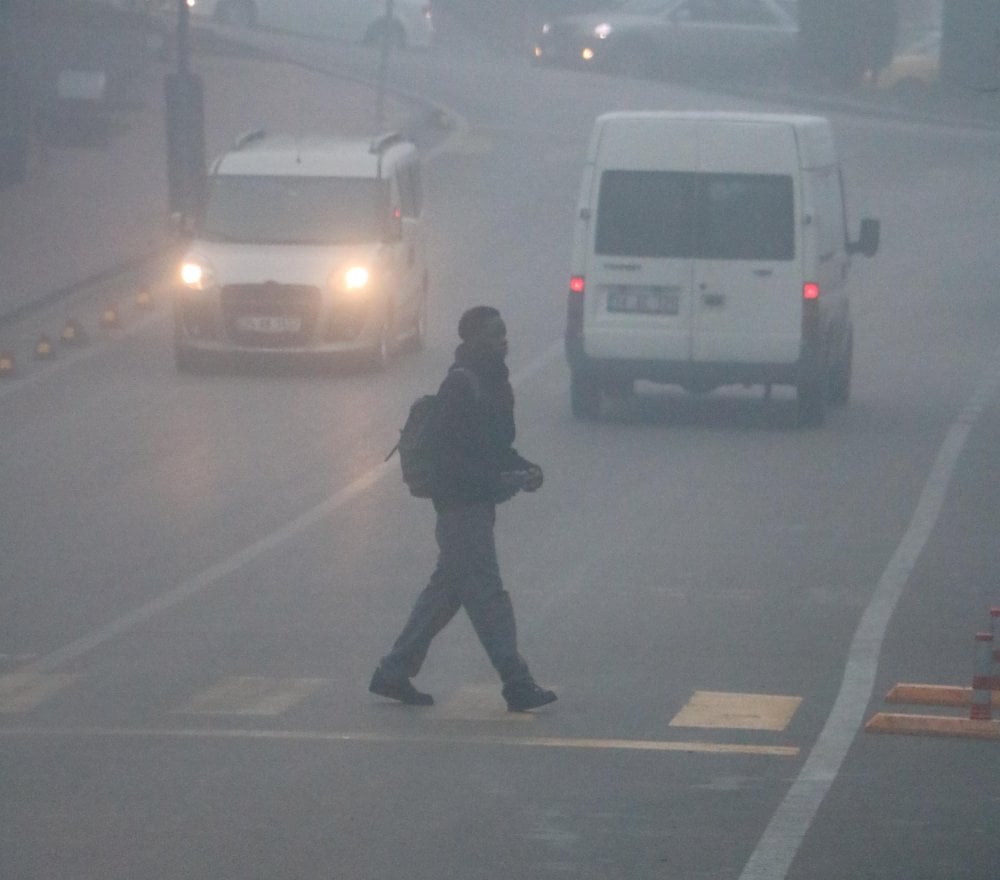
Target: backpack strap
x,y
473,379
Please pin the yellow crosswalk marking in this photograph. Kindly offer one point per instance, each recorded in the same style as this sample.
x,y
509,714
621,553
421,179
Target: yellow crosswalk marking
x,y
737,711
251,695
481,702
23,691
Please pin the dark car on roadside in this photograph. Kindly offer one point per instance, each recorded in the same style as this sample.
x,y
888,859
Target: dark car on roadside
x,y
694,40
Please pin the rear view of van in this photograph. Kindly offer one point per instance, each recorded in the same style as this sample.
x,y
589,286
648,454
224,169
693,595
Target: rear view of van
x,y
712,249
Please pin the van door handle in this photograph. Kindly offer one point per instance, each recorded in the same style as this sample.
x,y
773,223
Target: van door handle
x,y
763,273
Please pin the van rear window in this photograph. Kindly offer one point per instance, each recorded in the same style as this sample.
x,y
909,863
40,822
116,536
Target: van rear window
x,y
690,215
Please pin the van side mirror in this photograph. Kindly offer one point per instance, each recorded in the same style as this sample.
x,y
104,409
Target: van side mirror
x,y
867,243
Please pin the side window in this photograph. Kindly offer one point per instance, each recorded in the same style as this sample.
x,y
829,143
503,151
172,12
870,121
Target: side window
x,y
747,217
646,214
410,194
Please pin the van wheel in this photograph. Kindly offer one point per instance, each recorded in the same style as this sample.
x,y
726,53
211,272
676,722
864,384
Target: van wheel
x,y
242,12
811,396
620,389
840,383
382,29
381,352
585,396
420,325
189,361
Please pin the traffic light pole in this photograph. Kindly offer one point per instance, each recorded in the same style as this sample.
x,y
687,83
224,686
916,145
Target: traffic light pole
x,y
383,67
185,127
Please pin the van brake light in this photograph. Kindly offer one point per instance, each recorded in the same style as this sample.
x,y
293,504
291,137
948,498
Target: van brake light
x,y
576,284
810,290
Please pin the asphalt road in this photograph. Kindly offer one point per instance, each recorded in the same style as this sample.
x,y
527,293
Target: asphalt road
x,y
199,573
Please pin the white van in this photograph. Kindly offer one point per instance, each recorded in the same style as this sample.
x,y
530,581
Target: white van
x,y
711,249
306,247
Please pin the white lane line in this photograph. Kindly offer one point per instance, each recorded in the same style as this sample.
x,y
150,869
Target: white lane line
x,y
783,836
212,575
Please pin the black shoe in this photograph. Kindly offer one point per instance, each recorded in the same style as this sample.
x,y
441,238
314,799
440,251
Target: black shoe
x,y
400,689
527,695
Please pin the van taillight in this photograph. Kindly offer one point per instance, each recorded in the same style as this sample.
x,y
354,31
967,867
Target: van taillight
x,y
574,308
810,290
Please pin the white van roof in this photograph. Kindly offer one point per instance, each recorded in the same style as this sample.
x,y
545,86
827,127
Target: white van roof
x,y
256,153
618,135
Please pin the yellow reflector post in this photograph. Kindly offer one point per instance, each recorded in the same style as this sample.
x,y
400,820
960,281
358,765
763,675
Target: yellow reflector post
x,y
44,349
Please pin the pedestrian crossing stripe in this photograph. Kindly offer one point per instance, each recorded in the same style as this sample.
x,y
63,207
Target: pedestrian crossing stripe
x,y
477,703
255,695
24,691
715,709
251,695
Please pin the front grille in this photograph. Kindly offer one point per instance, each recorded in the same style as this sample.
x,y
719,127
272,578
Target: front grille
x,y
270,315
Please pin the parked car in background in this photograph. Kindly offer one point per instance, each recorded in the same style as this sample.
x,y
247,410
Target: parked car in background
x,y
677,39
356,21
913,71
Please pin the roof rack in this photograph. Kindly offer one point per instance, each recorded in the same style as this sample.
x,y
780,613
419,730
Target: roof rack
x,y
382,142
248,137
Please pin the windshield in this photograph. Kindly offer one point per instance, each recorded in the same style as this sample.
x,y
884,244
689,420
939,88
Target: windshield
x,y
294,210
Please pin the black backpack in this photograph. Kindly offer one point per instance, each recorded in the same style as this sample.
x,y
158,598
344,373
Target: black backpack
x,y
418,439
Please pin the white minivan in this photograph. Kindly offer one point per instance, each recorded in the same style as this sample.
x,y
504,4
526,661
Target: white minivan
x,y
307,247
712,249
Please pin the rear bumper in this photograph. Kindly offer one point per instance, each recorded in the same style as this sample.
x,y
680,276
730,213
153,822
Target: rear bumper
x,y
688,373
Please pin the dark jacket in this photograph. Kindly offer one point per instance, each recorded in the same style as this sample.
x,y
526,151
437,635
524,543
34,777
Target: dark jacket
x,y
475,428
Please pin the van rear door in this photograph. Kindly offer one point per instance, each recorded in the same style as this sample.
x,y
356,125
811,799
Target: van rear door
x,y
640,277
748,277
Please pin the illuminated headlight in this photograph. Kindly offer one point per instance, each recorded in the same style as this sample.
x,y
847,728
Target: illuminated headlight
x,y
196,276
354,280
603,31
546,27
587,54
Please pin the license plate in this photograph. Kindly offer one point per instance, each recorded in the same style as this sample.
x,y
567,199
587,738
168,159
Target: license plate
x,y
643,300
269,323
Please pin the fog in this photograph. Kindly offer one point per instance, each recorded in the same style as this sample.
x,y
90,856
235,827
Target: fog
x,y
199,572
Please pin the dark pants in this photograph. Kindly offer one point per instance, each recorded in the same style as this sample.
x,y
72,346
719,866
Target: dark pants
x,y
467,576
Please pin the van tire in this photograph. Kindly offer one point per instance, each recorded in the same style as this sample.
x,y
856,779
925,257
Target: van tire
x,y
585,396
811,396
840,381
380,29
420,325
189,361
241,12
381,352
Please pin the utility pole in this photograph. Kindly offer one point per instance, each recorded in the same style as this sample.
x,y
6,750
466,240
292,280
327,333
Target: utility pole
x,y
383,67
185,126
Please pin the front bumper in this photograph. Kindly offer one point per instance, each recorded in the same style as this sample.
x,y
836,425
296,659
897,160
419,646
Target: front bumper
x,y
279,318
